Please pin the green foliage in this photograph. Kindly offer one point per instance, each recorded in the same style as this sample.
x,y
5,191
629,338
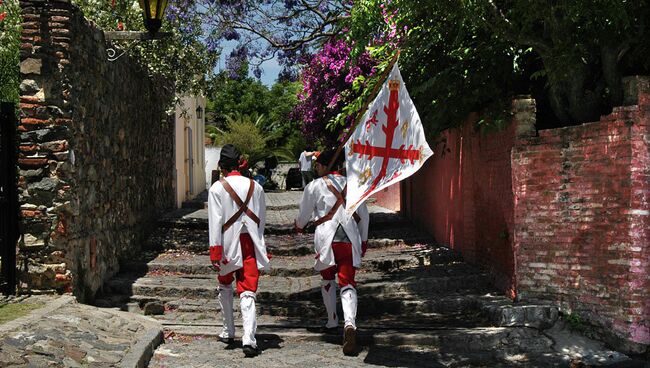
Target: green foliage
x,y
474,56
231,96
9,312
576,323
243,131
213,133
583,49
9,50
182,58
282,98
451,65
246,132
248,96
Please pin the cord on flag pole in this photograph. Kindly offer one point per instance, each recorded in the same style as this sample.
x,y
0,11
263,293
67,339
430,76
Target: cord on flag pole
x,y
373,94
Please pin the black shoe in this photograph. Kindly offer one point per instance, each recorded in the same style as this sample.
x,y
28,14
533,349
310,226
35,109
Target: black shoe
x,y
226,340
349,340
328,330
250,351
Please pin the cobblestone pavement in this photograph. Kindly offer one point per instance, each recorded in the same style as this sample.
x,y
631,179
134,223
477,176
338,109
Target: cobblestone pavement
x,y
65,333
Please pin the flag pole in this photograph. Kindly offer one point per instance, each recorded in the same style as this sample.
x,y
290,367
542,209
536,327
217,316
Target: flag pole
x,y
373,94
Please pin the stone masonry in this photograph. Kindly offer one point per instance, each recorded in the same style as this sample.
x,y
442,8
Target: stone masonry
x,y
96,152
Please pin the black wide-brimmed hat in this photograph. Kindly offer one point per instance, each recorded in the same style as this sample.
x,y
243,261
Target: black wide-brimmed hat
x,y
229,156
326,156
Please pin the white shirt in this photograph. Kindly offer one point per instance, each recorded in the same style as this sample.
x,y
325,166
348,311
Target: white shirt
x,y
221,207
317,200
305,161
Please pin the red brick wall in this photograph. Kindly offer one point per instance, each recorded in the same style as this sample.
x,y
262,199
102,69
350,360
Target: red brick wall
x,y
388,198
581,215
463,197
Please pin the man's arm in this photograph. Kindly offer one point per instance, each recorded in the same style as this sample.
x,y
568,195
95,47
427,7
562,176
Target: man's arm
x,y
363,225
307,205
262,214
215,222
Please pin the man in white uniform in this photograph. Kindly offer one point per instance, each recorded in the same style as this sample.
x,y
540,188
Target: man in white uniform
x,y
236,215
340,242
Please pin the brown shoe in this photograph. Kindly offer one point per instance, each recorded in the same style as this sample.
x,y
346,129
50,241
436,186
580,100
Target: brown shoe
x,y
349,340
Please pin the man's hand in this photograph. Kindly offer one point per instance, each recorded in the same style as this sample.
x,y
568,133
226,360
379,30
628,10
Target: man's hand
x,y
216,266
297,229
216,253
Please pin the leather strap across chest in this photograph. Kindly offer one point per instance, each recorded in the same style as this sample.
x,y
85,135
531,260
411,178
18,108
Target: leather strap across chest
x,y
340,201
243,205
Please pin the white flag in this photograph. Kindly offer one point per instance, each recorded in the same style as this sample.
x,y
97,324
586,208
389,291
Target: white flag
x,y
387,146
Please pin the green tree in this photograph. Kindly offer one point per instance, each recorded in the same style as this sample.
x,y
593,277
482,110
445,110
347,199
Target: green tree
x,y
247,133
183,58
229,96
10,20
248,96
474,55
585,47
283,97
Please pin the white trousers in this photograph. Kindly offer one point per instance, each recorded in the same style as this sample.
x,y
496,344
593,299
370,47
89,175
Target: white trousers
x,y
249,319
349,303
328,291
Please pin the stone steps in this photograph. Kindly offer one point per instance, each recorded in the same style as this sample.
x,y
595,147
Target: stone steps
x,y
296,288
370,307
211,321
278,244
396,348
191,219
389,259
444,347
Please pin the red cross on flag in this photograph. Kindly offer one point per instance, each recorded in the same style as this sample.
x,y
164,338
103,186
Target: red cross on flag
x,y
388,145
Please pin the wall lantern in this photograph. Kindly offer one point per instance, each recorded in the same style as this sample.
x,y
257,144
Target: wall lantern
x,y
199,113
152,15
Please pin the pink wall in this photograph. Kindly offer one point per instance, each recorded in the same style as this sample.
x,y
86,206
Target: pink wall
x,y
582,215
563,215
463,197
388,198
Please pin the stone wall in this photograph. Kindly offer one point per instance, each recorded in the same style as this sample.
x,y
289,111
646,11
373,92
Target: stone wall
x,y
582,219
96,153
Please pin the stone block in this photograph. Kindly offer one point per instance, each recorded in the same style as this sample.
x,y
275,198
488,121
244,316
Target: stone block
x,y
153,308
512,316
540,316
29,86
31,66
30,241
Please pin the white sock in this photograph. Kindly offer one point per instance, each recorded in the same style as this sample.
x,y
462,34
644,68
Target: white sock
x,y
349,302
328,290
249,319
225,299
